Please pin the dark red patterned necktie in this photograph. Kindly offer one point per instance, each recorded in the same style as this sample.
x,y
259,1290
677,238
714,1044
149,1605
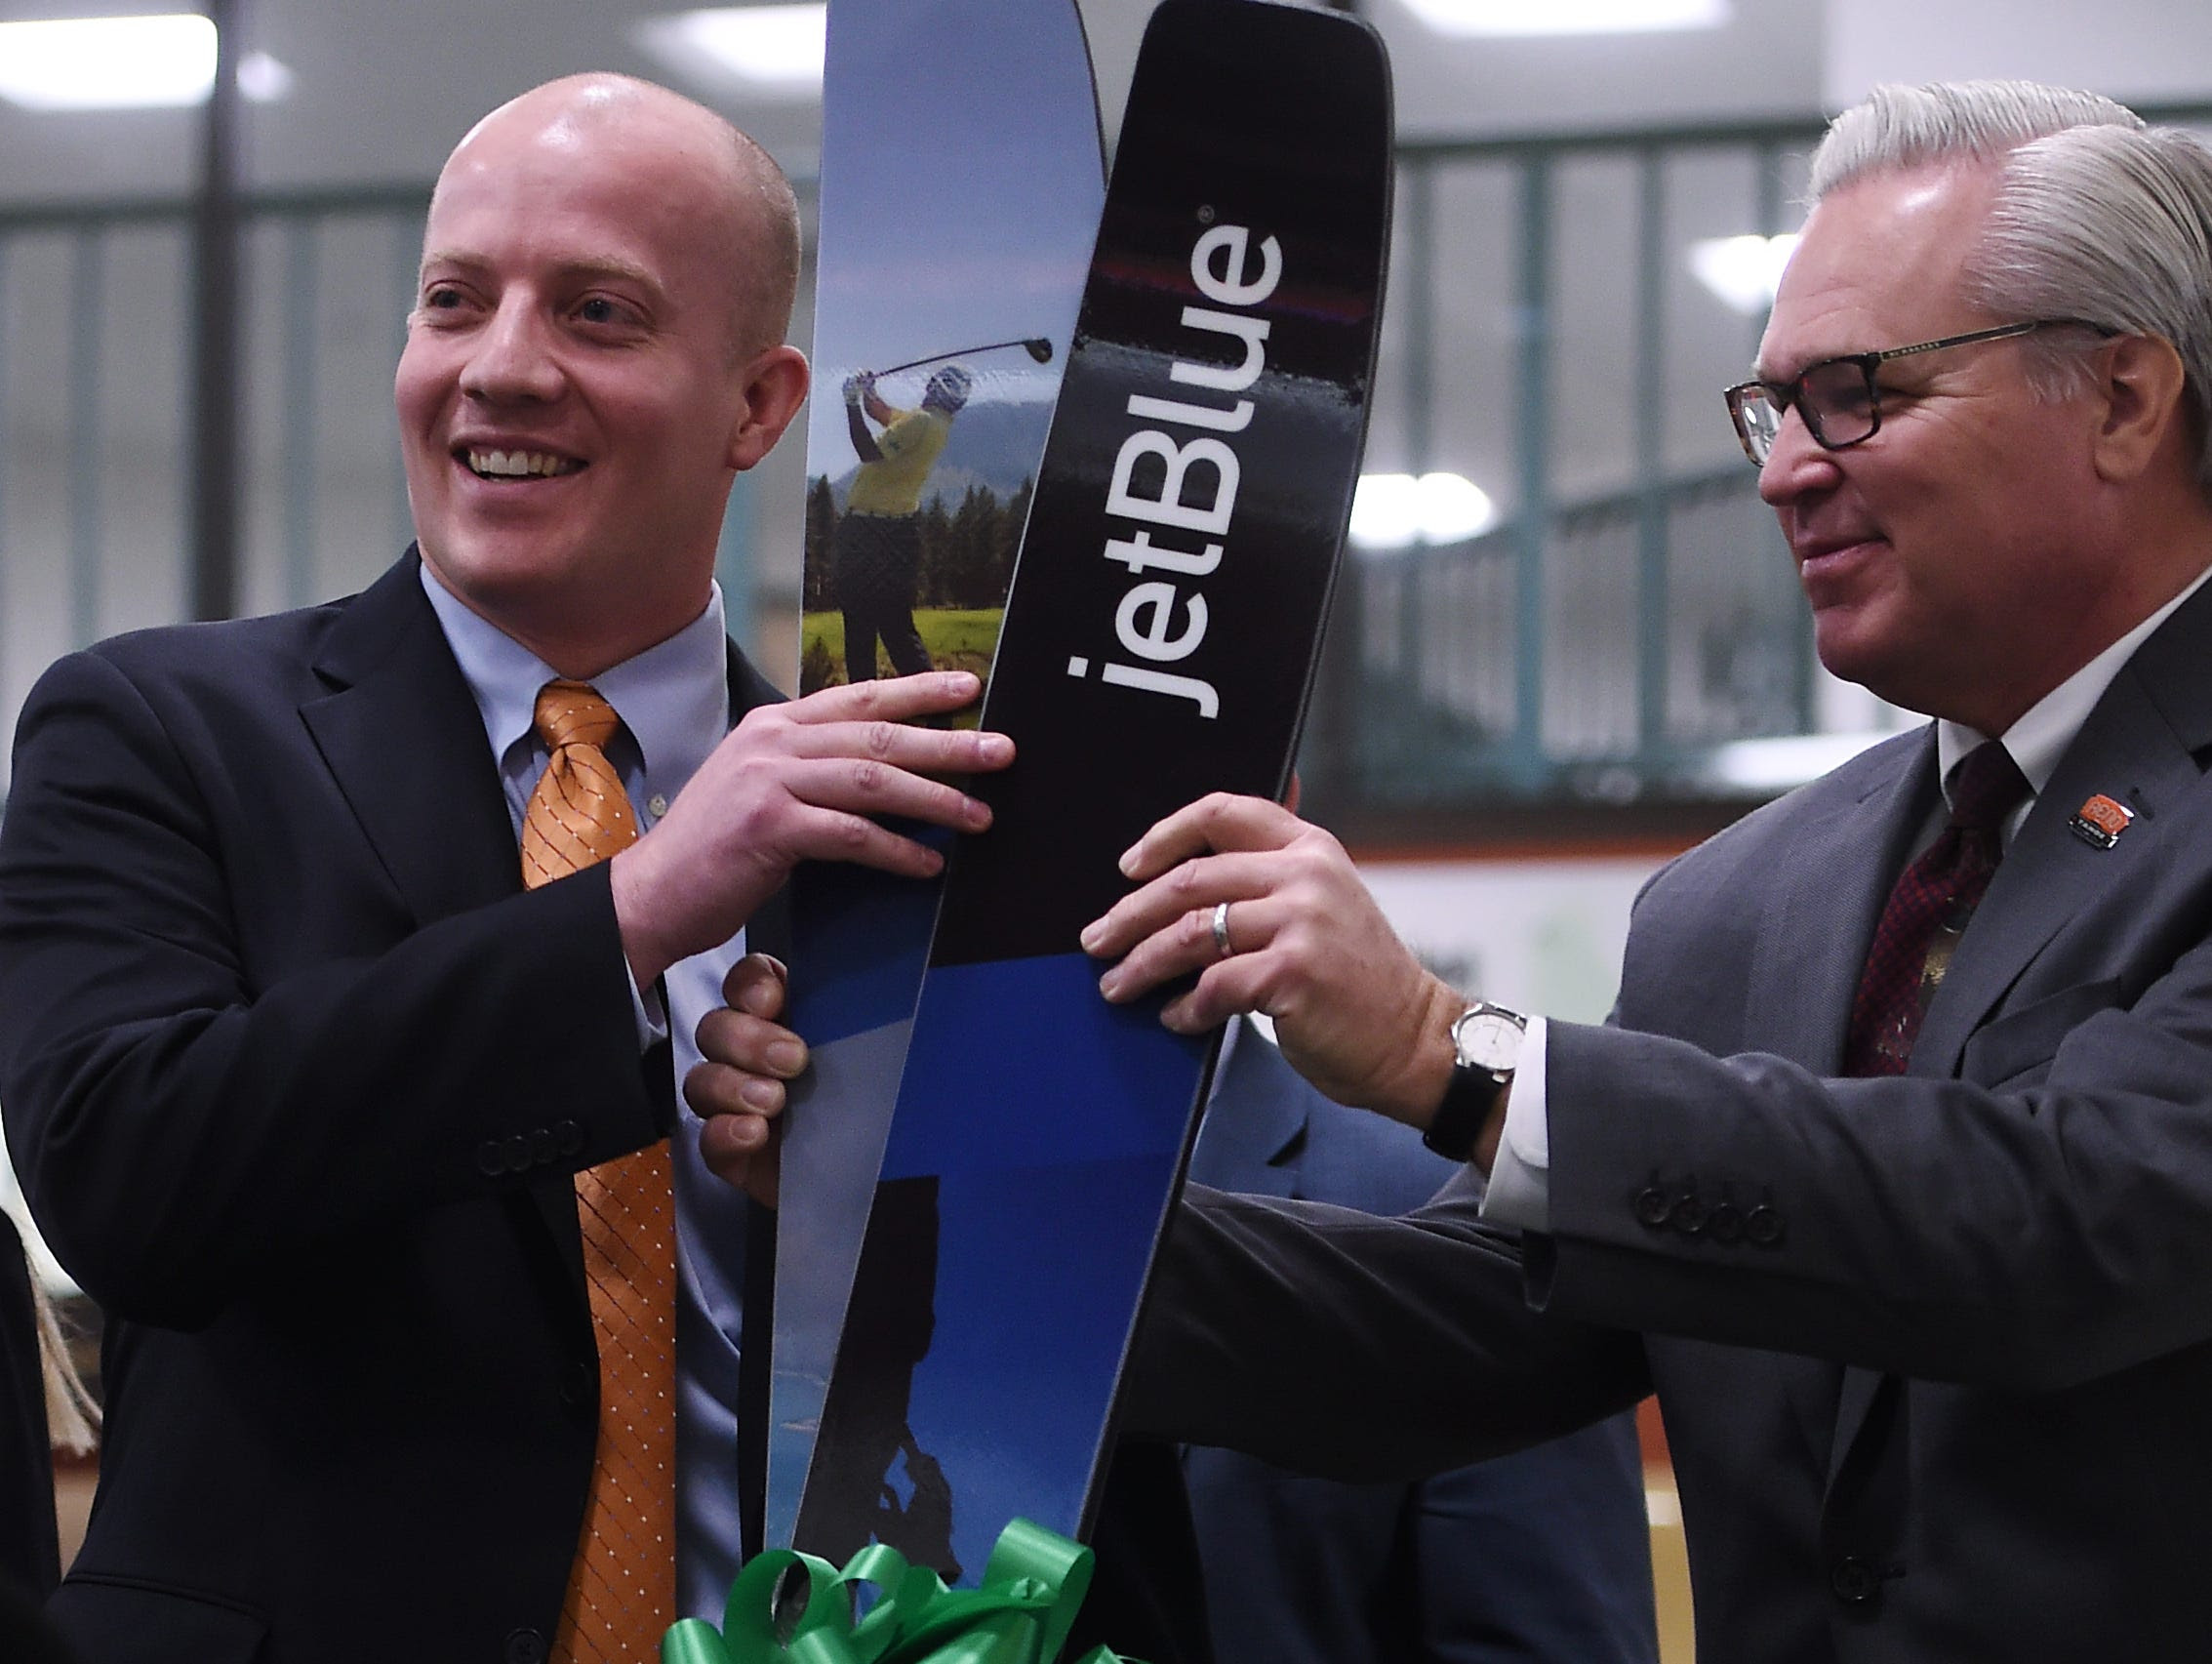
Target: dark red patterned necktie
x,y
1927,912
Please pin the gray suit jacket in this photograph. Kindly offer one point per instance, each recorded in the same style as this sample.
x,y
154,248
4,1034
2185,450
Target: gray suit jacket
x,y
1541,1555
1934,1353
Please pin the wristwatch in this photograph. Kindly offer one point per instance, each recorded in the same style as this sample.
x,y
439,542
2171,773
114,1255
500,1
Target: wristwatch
x,y
1486,1040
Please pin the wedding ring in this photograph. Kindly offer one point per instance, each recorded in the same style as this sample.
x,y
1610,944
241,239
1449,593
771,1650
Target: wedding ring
x,y
1221,929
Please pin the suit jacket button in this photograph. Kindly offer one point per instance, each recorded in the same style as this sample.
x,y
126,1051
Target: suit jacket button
x,y
525,1646
1652,1207
1763,1226
1687,1215
1855,1582
1725,1223
571,1137
543,1146
491,1159
576,1384
517,1152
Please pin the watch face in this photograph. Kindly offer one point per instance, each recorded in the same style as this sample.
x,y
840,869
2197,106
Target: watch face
x,y
1489,1040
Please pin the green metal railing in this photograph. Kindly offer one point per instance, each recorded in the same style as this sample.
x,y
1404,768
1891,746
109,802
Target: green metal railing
x,y
1458,674
96,410
1632,609
1609,635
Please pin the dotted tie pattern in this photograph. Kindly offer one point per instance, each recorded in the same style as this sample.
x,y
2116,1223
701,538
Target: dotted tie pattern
x,y
622,1594
1927,911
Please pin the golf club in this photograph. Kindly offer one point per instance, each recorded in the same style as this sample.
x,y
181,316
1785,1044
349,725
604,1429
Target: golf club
x,y
1035,346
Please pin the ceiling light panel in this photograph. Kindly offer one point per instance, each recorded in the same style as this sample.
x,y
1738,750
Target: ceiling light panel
x,y
776,48
1396,510
1744,271
146,63
107,63
1472,17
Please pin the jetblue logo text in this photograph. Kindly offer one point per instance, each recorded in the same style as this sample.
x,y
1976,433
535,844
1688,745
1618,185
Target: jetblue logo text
x,y
1161,620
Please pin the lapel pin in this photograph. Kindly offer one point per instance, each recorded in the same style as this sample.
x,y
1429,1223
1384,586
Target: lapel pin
x,y
2100,821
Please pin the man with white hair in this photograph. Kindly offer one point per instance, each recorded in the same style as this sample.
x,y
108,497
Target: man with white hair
x,y
1892,1172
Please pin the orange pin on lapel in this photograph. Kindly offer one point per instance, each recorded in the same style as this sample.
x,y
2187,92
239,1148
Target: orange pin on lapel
x,y
2101,821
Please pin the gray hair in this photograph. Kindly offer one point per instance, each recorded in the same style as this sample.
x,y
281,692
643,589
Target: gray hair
x,y
2097,215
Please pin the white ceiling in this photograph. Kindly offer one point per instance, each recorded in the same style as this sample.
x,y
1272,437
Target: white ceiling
x,y
384,89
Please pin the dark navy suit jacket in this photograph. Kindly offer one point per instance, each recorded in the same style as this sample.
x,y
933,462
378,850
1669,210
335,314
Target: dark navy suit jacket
x,y
1544,1555
296,1078
31,1556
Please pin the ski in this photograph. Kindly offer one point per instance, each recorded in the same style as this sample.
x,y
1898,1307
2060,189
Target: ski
x,y
961,179
1159,642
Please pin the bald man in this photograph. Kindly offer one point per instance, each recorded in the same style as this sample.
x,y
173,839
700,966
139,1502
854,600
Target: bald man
x,y
323,1008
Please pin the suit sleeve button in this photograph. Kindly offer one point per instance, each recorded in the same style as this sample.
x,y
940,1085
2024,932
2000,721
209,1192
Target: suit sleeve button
x,y
571,1136
1687,1215
543,1146
1725,1223
1762,1226
524,1647
491,1159
1854,1581
1652,1207
517,1150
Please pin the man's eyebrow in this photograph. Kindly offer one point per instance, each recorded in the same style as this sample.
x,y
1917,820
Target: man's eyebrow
x,y
448,258
464,260
622,269
1803,365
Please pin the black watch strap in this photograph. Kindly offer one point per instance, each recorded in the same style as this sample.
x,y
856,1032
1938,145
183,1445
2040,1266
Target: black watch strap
x,y
1469,1099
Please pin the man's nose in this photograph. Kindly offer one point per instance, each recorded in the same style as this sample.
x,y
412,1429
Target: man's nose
x,y
514,357
1796,464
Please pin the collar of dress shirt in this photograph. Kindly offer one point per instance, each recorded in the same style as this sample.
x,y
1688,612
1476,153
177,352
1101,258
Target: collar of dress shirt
x,y
2041,736
673,698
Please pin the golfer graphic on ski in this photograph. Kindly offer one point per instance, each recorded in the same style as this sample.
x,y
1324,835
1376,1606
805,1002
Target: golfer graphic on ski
x,y
911,536
878,549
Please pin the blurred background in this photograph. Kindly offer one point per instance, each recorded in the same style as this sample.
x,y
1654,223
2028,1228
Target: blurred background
x,y
1567,641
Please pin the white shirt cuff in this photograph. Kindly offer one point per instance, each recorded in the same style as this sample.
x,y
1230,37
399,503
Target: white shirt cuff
x,y
646,1009
1520,1179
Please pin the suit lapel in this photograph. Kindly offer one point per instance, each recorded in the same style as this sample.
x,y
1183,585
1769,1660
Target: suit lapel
x,y
1855,1396
2047,876
401,735
2136,747
1255,1139
1814,940
1805,975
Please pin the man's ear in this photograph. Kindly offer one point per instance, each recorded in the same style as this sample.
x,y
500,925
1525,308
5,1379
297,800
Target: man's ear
x,y
2144,406
774,387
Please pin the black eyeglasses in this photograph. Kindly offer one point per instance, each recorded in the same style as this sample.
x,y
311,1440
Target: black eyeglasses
x,y
1838,397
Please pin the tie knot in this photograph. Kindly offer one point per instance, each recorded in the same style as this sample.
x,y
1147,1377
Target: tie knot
x,y
571,714
1985,788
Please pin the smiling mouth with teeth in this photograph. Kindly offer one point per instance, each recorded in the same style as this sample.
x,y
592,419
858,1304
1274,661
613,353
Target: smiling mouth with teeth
x,y
518,465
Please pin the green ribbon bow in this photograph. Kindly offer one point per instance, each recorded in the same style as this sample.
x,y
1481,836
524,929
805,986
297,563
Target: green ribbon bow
x,y
1032,1590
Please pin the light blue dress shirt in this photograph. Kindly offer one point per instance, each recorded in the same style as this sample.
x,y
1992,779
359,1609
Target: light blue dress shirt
x,y
674,703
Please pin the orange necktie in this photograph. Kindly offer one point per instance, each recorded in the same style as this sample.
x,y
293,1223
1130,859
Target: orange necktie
x,y
621,1592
